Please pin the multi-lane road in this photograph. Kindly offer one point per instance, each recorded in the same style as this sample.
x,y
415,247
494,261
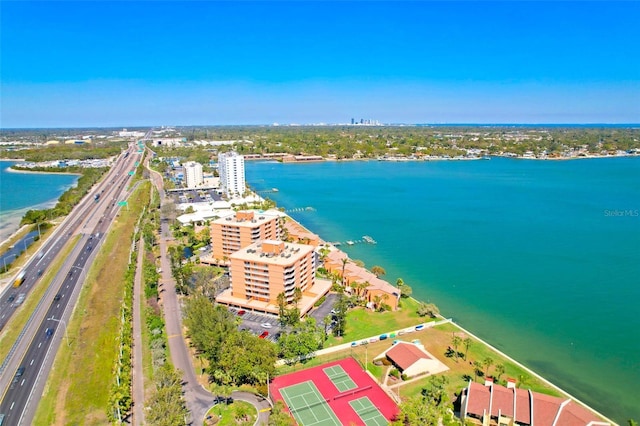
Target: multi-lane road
x,y
23,373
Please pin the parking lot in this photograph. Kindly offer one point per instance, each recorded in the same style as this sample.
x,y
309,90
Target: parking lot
x,y
196,196
256,322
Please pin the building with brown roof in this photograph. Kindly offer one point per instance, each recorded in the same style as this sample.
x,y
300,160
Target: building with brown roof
x,y
412,359
376,291
298,234
492,404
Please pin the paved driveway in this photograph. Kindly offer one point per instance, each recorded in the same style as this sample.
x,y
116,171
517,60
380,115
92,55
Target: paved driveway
x,y
323,310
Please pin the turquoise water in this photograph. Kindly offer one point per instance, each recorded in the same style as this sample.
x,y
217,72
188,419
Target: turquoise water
x,y
20,192
539,258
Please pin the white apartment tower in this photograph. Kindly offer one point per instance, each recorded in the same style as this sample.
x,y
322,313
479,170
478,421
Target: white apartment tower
x,y
193,174
231,170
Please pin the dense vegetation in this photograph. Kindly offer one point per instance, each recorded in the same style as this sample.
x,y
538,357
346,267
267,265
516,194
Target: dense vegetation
x,y
345,142
85,151
234,357
70,198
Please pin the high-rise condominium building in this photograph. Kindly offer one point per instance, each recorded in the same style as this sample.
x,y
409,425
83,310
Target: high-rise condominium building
x,y
267,268
232,233
231,169
193,174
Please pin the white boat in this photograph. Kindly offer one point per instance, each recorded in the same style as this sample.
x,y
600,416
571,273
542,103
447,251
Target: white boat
x,y
350,243
368,239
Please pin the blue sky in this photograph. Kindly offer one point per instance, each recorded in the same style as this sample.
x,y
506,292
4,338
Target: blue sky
x,y
122,63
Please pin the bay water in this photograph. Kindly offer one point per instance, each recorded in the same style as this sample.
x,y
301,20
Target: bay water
x,y
20,192
539,258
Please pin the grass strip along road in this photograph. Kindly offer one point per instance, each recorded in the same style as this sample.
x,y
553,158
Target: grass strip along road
x,y
77,391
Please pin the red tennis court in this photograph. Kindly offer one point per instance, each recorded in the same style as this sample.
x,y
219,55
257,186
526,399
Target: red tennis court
x,y
349,392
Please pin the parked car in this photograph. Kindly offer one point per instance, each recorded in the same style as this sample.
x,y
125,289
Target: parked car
x,y
266,325
264,334
242,312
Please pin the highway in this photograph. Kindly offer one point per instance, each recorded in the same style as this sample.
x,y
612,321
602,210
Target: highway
x,y
23,374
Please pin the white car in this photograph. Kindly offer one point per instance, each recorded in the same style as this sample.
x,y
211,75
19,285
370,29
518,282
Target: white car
x,y
266,325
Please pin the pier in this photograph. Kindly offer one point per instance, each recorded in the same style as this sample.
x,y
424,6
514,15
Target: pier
x,y
300,210
366,239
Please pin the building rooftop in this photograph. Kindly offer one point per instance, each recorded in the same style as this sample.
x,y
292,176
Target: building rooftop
x,y
273,252
248,218
530,407
405,354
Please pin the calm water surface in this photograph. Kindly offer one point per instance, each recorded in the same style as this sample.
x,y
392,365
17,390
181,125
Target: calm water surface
x,y
20,192
539,258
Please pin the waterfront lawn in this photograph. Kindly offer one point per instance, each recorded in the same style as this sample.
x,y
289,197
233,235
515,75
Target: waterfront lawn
x,y
78,388
363,323
437,340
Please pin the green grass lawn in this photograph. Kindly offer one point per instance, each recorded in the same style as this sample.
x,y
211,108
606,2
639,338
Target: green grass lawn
x,y
363,323
234,414
436,341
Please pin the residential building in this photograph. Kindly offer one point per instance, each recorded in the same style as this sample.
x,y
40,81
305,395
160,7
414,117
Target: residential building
x,y
231,170
234,232
412,359
353,276
492,404
265,269
193,174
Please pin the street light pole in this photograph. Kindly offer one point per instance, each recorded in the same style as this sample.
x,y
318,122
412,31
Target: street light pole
x,y
66,335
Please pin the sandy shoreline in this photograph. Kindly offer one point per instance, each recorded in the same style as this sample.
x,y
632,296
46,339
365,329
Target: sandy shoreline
x,y
12,170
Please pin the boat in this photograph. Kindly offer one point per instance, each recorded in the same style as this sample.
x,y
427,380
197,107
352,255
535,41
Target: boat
x,y
368,239
486,157
350,242
274,189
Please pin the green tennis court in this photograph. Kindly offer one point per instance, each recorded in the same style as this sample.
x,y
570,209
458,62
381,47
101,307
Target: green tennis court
x,y
368,412
307,405
339,378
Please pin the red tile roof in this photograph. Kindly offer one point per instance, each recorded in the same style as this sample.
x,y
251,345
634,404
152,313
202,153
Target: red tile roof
x,y
546,409
405,354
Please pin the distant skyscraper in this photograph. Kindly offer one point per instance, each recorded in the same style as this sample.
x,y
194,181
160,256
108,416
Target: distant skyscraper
x,y
353,121
231,169
193,174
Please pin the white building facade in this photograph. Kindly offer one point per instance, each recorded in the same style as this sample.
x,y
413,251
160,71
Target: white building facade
x,y
193,174
231,170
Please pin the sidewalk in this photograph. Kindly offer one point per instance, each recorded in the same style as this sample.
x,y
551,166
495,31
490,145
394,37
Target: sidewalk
x,y
138,367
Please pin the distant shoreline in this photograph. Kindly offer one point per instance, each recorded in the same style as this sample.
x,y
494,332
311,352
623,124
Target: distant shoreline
x,y
430,159
12,170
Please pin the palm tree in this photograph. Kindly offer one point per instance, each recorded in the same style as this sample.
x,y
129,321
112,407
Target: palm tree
x,y
297,295
344,264
477,369
455,341
467,343
523,380
500,369
487,362
377,300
